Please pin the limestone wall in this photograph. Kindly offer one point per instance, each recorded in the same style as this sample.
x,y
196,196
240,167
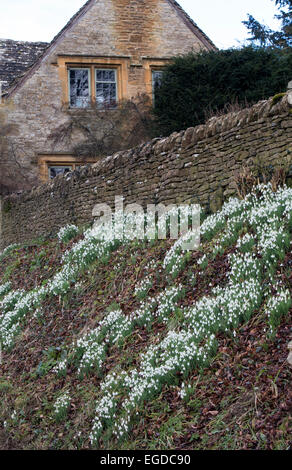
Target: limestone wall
x,y
196,165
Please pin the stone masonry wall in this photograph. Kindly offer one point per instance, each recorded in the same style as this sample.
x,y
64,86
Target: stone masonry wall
x,y
196,165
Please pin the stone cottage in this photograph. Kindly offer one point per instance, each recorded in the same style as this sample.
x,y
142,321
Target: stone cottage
x,y
109,51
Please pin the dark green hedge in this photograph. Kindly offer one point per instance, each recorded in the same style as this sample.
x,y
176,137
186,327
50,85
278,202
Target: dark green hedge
x,y
195,85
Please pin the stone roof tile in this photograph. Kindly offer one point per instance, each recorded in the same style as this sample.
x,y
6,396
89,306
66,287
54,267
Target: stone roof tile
x,y
16,57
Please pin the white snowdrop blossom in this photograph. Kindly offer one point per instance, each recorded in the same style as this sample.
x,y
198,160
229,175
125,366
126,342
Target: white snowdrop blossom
x,y
15,305
185,391
277,306
60,368
259,230
194,343
66,233
246,243
61,406
5,288
203,261
141,289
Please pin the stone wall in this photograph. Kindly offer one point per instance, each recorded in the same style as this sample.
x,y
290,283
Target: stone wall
x,y
196,165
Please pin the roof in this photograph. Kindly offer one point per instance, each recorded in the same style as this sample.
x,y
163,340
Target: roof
x,y
16,57
20,70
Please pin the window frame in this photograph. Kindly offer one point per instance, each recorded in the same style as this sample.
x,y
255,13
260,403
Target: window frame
x,y
89,87
102,69
151,64
46,160
92,82
70,166
67,61
153,71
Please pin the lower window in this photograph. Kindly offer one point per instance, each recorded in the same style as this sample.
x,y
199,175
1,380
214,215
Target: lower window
x,y
59,170
52,165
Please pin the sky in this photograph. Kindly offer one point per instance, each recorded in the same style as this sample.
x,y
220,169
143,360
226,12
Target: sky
x,y
41,20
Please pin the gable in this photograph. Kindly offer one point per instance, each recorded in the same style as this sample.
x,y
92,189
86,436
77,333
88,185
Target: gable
x,y
116,28
179,10
192,25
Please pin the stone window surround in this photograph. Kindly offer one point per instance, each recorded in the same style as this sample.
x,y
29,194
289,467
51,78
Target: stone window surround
x,y
47,160
91,76
151,65
92,63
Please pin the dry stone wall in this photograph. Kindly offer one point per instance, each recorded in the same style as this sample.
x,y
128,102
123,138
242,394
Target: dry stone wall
x,y
196,165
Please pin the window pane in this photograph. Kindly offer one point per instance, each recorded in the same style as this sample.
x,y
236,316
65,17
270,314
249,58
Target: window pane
x,y
156,79
105,76
106,88
59,170
79,88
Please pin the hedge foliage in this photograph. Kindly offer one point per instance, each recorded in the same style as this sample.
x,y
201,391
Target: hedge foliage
x,y
196,85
